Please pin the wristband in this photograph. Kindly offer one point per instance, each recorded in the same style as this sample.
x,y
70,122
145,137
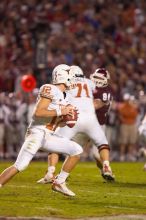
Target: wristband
x,y
58,110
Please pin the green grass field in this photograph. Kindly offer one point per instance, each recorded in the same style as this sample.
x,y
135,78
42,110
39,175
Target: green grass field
x,y
22,196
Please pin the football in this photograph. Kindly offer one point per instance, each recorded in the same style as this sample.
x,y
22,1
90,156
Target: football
x,y
71,120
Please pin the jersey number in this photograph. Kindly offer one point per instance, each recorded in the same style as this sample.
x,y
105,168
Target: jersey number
x,y
106,97
46,89
81,88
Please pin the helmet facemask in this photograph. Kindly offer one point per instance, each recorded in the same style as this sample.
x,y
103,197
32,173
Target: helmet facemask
x,y
100,77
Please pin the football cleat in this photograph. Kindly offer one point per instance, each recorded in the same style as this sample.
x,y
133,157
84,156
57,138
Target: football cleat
x,y
107,173
46,179
62,188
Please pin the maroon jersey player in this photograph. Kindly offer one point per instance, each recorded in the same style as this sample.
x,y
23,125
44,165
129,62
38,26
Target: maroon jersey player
x,y
103,93
102,99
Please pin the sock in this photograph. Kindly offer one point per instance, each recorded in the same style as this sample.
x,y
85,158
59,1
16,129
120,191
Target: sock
x,y
61,178
106,162
50,172
51,169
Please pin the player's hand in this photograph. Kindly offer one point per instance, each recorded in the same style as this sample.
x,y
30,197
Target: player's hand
x,y
67,110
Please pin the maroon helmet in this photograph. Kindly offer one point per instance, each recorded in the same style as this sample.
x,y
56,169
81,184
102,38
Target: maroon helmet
x,y
100,77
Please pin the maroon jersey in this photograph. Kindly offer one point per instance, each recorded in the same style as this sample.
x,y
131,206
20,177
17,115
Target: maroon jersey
x,y
105,94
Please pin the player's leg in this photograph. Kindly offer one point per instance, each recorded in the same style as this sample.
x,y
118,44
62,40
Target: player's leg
x,y
99,164
21,163
73,150
96,156
100,141
82,139
59,183
7,174
31,145
65,146
53,159
106,170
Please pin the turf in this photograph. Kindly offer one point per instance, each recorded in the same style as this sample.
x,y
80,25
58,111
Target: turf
x,y
22,196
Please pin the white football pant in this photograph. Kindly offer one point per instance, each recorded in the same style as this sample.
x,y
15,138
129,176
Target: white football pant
x,y
40,138
87,123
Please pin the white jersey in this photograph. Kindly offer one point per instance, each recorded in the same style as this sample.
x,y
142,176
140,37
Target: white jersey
x,y
82,95
52,92
40,134
82,98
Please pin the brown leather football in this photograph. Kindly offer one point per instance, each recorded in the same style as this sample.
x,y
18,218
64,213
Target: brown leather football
x,y
71,120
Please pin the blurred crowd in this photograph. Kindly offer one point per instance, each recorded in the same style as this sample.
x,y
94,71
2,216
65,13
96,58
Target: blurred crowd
x,y
15,115
37,35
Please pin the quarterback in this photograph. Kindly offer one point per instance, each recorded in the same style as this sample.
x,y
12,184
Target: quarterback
x,y
82,97
51,105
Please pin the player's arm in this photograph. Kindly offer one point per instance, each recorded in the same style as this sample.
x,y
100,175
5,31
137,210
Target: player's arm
x,y
98,103
42,109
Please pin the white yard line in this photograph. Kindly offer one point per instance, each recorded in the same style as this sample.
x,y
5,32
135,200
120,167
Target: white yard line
x,y
137,196
25,186
118,207
115,194
48,208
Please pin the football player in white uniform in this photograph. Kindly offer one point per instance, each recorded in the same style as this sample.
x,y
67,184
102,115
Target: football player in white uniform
x,y
82,97
47,116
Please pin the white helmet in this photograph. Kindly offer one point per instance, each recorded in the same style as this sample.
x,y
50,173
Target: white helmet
x,y
77,71
62,74
100,77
